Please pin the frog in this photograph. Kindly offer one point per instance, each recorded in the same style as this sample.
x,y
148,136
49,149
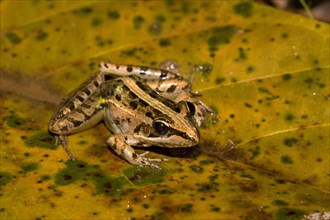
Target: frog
x,y
141,106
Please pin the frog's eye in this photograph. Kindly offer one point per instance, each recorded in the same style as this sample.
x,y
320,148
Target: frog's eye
x,y
160,126
191,107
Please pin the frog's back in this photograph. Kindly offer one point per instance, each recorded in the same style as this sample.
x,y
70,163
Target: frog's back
x,y
131,103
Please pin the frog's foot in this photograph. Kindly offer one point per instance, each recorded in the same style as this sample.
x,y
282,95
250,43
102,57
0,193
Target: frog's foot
x,y
61,139
120,143
154,162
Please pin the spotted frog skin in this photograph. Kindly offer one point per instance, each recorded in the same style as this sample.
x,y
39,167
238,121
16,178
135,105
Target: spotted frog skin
x,y
140,105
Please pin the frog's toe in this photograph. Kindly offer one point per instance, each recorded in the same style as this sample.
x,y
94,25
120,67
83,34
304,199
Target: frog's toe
x,y
151,165
144,154
151,161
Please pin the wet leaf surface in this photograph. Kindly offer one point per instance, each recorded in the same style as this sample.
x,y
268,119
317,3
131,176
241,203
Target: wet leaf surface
x,y
265,73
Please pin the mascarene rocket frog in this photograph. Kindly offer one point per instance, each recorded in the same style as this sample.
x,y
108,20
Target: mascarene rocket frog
x,y
142,106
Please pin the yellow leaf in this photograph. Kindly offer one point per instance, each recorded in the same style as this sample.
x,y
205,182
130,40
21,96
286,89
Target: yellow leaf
x,y
265,72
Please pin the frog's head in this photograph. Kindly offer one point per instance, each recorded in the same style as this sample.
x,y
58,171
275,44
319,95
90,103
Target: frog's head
x,y
177,132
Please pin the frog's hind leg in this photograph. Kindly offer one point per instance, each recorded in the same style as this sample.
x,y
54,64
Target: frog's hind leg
x,y
61,139
141,71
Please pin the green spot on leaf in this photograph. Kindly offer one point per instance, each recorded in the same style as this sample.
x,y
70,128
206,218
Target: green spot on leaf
x,y
81,142
155,29
14,121
185,7
83,11
280,203
263,90
165,42
44,178
13,38
220,80
244,9
146,206
107,185
254,152
242,54
196,169
215,208
30,166
249,69
41,36
206,162
220,36
288,214
160,18
138,22
96,22
289,117
80,170
205,69
207,187
186,208
248,105
159,216
146,175
164,191
74,171
129,52
309,81
290,141
113,15
42,139
286,159
286,77
213,177
5,178
102,42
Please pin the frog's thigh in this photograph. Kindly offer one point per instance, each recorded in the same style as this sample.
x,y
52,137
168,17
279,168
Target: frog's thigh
x,y
120,143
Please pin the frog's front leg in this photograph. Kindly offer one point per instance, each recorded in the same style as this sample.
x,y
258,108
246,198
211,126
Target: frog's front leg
x,y
121,144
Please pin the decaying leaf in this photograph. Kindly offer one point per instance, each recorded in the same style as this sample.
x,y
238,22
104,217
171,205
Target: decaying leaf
x,y
265,154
